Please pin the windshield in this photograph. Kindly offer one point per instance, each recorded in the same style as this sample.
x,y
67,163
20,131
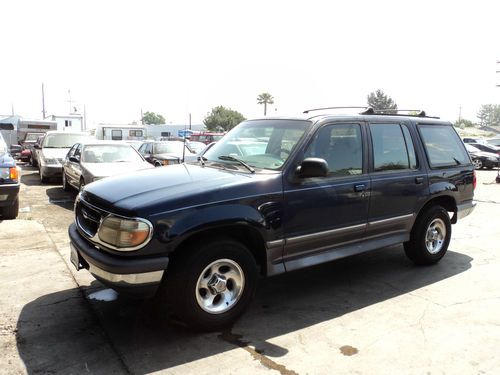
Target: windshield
x,y
62,140
263,144
31,137
168,148
110,154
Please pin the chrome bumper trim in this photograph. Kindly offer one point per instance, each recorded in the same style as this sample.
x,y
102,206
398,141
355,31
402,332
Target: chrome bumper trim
x,y
127,280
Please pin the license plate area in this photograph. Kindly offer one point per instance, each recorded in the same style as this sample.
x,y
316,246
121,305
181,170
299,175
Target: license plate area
x,y
75,258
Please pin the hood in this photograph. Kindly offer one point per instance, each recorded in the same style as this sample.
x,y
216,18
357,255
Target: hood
x,y
168,156
6,160
152,191
58,153
112,169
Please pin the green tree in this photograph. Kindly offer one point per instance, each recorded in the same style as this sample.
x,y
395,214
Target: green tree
x,y
265,98
463,123
150,118
378,100
222,119
489,115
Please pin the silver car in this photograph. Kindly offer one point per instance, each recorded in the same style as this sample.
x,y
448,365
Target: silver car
x,y
92,161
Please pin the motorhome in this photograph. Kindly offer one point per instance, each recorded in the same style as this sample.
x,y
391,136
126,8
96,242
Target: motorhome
x,y
120,132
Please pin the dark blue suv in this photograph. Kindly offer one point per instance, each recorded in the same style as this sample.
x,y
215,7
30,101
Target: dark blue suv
x,y
274,195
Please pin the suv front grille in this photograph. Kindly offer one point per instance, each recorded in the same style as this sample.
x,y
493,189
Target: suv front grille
x,y
87,218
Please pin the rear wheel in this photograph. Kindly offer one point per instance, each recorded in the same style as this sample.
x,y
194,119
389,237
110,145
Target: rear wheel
x,y
478,164
10,212
430,236
211,284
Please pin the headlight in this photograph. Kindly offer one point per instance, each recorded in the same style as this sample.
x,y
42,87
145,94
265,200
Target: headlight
x,y
9,174
50,161
124,233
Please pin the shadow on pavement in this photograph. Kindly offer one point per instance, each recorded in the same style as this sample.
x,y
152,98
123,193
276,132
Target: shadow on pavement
x,y
51,337
59,197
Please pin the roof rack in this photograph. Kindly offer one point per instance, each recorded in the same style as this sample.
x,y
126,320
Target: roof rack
x,y
395,112
384,111
322,109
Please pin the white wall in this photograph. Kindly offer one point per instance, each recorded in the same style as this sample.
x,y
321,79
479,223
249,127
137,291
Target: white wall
x,y
76,123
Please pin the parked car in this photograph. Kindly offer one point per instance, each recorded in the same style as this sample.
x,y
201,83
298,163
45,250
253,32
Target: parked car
x,y
494,141
197,147
486,147
16,152
33,148
474,140
206,137
52,151
95,160
3,145
324,187
161,153
9,185
27,145
481,159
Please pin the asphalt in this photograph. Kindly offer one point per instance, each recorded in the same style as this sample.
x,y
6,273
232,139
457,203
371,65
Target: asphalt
x,y
374,313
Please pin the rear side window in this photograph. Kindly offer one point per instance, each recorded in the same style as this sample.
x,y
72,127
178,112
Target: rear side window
x,y
443,146
392,148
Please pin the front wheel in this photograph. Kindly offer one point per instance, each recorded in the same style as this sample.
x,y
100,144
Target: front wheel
x,y
65,184
43,179
10,212
211,284
430,236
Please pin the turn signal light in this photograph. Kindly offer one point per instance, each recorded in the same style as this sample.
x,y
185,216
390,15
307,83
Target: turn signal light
x,y
13,173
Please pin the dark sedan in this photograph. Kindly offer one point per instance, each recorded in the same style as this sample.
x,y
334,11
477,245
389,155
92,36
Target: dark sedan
x,y
161,153
9,187
482,159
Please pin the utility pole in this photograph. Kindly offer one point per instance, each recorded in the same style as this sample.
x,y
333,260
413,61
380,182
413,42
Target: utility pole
x,y
70,101
12,105
190,121
84,118
43,103
498,71
459,113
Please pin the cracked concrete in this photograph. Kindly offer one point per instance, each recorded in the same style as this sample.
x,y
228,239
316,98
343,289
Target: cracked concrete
x,y
371,314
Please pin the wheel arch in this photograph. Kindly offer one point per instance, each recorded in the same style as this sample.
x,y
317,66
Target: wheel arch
x,y
447,202
242,232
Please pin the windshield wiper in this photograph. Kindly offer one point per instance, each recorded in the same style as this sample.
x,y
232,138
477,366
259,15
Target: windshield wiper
x,y
232,158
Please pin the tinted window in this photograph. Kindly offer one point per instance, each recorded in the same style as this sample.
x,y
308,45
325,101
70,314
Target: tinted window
x,y
443,146
341,146
61,140
389,148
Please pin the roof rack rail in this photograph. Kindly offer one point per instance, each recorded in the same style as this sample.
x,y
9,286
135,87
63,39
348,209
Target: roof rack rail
x,y
395,112
322,109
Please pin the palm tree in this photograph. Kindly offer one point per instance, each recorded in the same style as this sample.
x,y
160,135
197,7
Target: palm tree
x,y
265,98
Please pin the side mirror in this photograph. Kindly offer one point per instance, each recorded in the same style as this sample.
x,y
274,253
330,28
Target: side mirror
x,y
74,159
37,146
313,167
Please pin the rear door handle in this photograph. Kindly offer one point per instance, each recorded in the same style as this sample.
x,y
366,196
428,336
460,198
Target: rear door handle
x,y
419,180
359,188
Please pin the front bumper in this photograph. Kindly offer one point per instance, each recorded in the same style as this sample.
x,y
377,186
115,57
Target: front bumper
x,y
8,194
465,209
130,276
51,170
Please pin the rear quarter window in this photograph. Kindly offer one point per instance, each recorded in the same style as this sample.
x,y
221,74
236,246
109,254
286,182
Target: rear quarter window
x,y
443,146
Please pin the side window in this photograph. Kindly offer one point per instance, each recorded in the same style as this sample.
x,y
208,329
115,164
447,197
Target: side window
x,y
341,146
443,146
390,148
116,135
78,151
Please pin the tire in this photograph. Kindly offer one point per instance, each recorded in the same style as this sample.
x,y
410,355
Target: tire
x,y
43,178
157,164
209,285
10,212
429,237
65,184
478,164
34,163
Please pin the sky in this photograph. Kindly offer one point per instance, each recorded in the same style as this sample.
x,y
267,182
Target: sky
x,y
178,57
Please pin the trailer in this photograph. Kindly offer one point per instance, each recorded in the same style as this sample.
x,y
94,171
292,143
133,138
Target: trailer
x,y
118,132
